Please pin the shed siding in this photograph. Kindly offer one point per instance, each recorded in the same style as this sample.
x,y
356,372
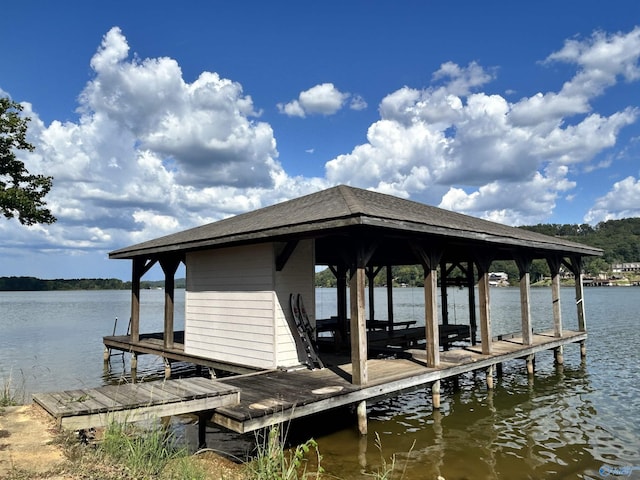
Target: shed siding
x,y
296,277
229,308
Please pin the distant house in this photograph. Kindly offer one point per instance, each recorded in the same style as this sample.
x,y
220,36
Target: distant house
x,y
632,267
497,279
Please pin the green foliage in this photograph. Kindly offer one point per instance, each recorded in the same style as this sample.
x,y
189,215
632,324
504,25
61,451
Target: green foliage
x,y
619,240
21,193
145,453
273,462
14,284
32,284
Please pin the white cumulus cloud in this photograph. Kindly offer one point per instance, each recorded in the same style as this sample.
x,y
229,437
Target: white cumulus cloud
x,y
322,99
479,153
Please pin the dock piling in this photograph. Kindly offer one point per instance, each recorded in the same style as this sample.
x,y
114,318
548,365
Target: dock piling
x,y
435,394
361,410
134,361
490,377
558,355
530,364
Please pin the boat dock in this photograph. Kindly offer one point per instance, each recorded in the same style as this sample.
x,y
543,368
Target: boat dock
x,y
242,272
96,407
248,402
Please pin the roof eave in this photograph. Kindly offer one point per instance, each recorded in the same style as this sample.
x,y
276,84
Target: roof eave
x,y
319,228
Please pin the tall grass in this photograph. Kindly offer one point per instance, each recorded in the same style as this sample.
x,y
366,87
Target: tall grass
x,y
274,462
388,470
146,452
10,394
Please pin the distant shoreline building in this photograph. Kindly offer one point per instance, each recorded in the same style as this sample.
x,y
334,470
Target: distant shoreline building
x,y
633,267
498,279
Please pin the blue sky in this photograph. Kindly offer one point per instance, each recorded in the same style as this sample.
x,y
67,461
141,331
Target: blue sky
x,y
153,117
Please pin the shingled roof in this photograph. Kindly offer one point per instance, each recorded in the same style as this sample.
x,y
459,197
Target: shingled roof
x,y
342,209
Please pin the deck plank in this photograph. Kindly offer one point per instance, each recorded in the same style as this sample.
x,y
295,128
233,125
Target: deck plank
x,y
133,402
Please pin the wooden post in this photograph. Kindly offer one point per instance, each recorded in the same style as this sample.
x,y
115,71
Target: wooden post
x,y
134,361
530,364
576,268
430,259
558,355
554,267
483,264
340,272
435,394
169,267
524,267
443,293
140,267
390,297
138,271
361,410
203,417
167,368
358,327
582,319
490,377
372,272
431,317
473,323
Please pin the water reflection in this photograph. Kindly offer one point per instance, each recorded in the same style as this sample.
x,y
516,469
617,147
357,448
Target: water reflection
x,y
562,423
521,429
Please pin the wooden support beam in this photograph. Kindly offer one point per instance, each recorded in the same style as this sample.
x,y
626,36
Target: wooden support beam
x,y
483,263
372,272
340,272
444,274
435,394
141,266
558,355
489,373
283,257
430,259
530,363
524,268
390,297
169,266
473,321
358,327
554,263
575,265
361,410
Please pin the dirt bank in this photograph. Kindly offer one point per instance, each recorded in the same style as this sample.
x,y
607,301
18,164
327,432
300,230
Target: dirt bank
x,y
27,435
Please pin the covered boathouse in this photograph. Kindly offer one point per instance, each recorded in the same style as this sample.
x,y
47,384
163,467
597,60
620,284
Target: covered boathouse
x,y
242,271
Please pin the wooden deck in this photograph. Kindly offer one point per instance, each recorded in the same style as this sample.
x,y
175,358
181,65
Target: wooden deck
x,y
153,343
273,397
252,401
95,407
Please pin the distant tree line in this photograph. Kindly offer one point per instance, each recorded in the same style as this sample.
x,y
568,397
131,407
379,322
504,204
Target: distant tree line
x,y
33,284
619,240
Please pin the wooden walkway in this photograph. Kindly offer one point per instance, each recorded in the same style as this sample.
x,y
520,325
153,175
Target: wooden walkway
x,y
252,401
273,397
94,407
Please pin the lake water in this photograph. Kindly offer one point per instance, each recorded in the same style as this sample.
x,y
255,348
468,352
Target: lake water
x,y
581,420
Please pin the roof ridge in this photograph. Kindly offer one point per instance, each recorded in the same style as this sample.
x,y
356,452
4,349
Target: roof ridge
x,y
350,199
